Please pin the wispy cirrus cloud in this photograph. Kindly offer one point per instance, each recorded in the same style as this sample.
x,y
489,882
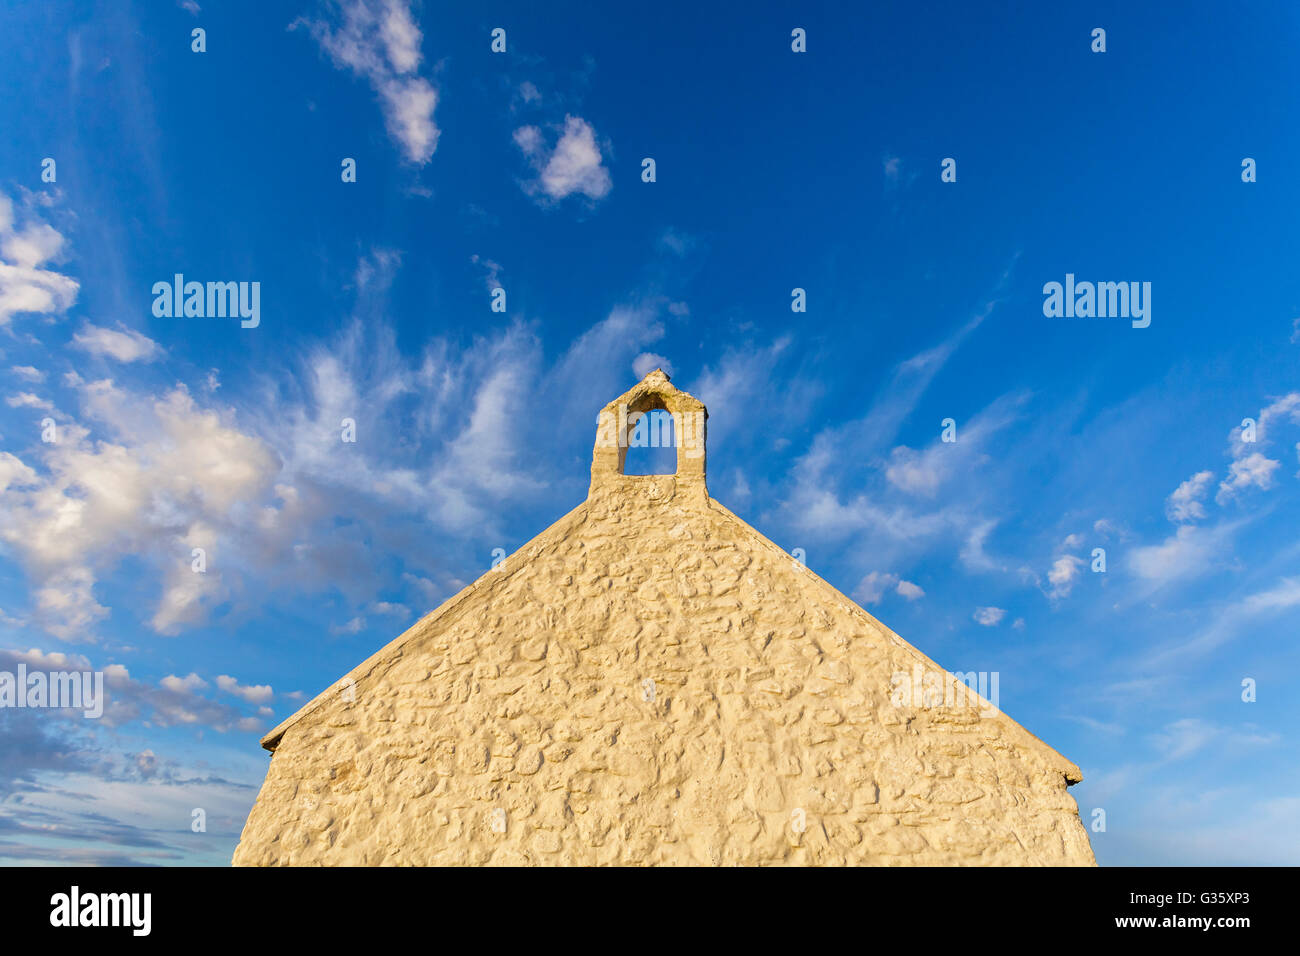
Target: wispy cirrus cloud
x,y
220,499
1229,621
1189,552
121,344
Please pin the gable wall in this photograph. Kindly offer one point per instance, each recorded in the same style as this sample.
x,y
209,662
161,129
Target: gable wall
x,y
767,737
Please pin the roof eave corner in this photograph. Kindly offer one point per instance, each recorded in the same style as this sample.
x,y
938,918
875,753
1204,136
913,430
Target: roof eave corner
x,y
272,739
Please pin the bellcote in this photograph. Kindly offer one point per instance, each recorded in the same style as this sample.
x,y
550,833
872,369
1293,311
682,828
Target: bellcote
x,y
653,413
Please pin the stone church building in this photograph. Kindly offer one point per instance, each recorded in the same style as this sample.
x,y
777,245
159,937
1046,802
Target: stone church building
x,y
652,681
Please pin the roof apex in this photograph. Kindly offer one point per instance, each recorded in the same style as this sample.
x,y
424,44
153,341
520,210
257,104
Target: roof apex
x,y
657,383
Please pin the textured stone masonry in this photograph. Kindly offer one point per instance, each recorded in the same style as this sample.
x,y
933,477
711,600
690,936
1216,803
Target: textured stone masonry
x,y
651,681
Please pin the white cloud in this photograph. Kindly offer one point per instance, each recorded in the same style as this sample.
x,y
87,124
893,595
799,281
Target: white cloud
x,y
989,616
187,592
123,344
486,455
1182,738
254,694
28,373
380,41
354,626
1106,528
375,271
401,37
1062,575
740,490
677,242
923,472
37,659
192,682
147,763
409,103
173,701
66,605
1254,470
1185,502
1285,408
592,369
529,140
972,553
647,362
871,589
271,493
1250,467
1231,620
166,471
28,400
427,590
1286,594
573,166
1187,553
34,245
491,271
910,591
738,393
25,287
918,473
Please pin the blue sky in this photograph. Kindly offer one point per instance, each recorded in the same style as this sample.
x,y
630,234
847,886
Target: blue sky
x,y
775,170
